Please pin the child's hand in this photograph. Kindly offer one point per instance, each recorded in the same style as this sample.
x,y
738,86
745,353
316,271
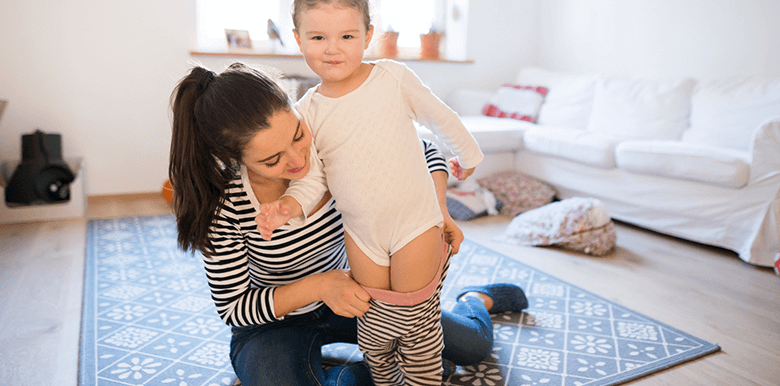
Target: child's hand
x,y
271,217
459,172
452,234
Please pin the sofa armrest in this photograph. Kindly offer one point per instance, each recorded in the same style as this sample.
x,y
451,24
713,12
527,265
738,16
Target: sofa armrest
x,y
765,151
468,101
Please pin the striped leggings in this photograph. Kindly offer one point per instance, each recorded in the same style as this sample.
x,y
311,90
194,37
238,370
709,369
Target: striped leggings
x,y
403,343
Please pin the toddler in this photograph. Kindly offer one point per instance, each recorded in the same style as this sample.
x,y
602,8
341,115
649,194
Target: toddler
x,y
369,156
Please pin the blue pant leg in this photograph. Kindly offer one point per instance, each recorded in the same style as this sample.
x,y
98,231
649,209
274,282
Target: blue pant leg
x,y
468,332
290,352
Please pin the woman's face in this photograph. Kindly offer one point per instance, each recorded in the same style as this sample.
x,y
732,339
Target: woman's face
x,y
280,151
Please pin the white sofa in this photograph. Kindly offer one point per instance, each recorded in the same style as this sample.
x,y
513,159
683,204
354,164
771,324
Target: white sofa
x,y
699,160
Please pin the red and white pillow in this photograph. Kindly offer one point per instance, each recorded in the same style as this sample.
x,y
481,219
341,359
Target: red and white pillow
x,y
516,102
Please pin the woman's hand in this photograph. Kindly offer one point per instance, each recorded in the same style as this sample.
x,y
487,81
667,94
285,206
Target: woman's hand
x,y
342,294
458,171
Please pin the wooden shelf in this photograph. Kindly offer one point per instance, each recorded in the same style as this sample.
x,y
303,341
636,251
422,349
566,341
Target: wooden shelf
x,y
252,54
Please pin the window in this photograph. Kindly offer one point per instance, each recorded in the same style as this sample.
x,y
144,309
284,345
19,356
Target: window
x,y
395,15
447,16
214,16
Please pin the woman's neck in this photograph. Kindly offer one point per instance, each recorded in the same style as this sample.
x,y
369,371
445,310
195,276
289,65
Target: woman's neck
x,y
336,89
267,189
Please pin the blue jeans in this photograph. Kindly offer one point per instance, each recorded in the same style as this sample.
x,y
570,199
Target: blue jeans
x,y
289,352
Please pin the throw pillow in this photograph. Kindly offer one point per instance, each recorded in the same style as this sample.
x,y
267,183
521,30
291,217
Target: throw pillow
x,y
516,102
570,97
726,112
641,109
518,192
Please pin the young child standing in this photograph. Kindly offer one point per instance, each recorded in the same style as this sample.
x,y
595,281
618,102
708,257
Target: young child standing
x,y
361,117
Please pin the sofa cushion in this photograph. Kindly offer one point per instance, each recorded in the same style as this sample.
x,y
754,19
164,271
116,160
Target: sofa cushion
x,y
712,165
494,135
516,102
578,145
727,112
518,192
641,109
569,97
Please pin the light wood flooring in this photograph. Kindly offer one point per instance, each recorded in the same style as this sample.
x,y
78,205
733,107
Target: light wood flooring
x,y
705,291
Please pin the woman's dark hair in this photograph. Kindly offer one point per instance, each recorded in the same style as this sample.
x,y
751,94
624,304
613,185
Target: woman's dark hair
x,y
214,118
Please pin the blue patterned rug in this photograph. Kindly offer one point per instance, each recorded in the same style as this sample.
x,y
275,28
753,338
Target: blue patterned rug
x,y
149,320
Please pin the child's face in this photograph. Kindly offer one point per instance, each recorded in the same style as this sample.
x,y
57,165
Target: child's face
x,y
332,38
281,151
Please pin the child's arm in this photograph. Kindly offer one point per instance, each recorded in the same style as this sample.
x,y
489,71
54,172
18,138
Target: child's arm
x,y
275,214
424,107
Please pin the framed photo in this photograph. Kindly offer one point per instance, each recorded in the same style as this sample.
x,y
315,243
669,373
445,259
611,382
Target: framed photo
x,y
238,39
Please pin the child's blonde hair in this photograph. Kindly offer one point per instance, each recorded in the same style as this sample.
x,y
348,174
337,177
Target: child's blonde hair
x,y
361,6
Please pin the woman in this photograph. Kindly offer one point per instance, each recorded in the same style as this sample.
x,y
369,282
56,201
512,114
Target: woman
x,y
237,142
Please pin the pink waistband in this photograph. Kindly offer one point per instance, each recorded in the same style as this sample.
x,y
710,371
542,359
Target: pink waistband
x,y
410,298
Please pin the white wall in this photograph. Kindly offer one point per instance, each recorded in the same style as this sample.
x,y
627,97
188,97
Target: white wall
x,y
101,74
704,39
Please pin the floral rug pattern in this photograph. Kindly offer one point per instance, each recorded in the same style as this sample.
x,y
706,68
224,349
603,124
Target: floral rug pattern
x,y
149,320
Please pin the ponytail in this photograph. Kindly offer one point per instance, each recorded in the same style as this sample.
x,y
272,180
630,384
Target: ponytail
x,y
214,118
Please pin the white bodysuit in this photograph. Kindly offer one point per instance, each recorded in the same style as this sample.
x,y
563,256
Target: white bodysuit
x,y
373,161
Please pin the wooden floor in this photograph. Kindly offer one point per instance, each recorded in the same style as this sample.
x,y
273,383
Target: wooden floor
x,y
705,291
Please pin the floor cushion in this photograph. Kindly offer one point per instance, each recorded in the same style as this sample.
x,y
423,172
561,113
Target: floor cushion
x,y
580,224
518,192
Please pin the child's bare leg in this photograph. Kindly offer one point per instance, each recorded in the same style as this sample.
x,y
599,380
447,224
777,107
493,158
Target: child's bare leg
x,y
364,270
415,265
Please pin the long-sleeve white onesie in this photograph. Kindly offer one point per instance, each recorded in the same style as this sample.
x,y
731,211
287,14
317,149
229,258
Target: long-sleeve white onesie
x,y
372,159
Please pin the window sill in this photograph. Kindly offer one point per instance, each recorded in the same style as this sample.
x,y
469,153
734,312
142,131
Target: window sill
x,y
253,54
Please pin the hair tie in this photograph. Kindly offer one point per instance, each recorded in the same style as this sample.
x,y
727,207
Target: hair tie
x,y
205,80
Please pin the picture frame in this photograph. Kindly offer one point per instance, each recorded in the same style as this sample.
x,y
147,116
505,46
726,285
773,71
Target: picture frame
x,y
238,39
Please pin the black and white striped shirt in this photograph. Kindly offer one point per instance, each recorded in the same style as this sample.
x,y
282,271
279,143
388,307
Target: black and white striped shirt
x,y
244,270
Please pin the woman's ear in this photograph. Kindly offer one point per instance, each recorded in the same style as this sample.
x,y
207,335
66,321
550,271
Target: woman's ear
x,y
369,34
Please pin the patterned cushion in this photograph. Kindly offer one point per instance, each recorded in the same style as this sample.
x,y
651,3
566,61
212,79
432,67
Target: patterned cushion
x,y
516,102
518,192
580,224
